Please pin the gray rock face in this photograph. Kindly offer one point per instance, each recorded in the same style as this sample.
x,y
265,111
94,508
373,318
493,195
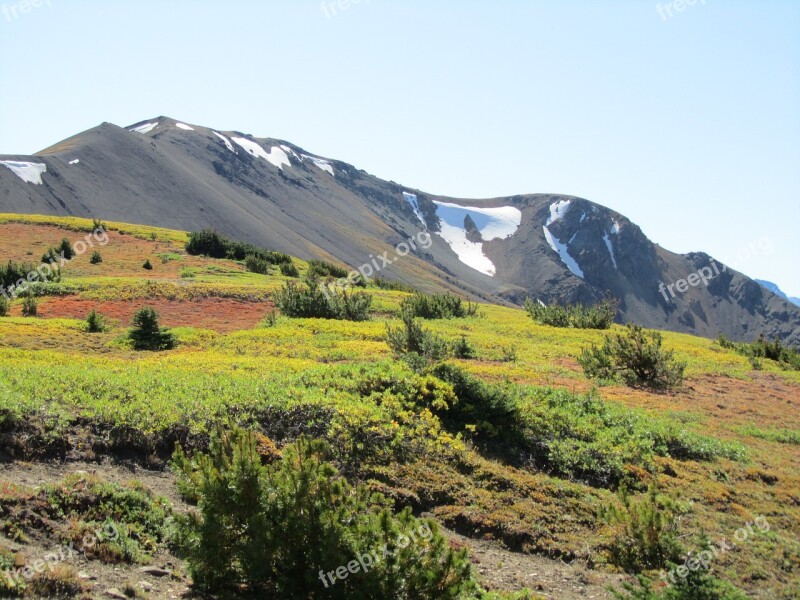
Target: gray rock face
x,y
275,194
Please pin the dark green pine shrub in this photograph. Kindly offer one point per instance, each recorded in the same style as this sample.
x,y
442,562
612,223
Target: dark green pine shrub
x,y
65,248
636,357
95,323
30,307
212,244
413,343
310,301
599,316
279,530
646,531
438,306
323,270
147,334
96,259
786,356
3,306
257,264
148,266
461,348
289,270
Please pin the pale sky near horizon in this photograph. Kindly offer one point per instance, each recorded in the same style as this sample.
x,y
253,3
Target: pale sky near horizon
x,y
688,124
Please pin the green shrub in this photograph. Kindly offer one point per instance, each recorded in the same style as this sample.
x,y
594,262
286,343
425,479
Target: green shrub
x,y
280,530
30,307
600,316
257,264
786,356
396,286
146,334
289,270
212,244
95,323
646,531
438,306
461,348
96,259
410,340
65,248
323,270
636,357
311,301
3,306
147,265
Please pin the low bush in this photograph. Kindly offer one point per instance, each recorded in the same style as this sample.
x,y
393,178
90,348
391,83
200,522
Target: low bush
x,y
438,306
645,531
461,348
636,357
148,266
95,323
30,307
599,316
786,356
323,270
289,270
212,244
296,529
147,334
413,343
396,286
309,300
96,259
3,306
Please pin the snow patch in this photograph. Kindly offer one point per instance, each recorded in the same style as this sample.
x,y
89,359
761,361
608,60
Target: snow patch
x,y
29,172
615,229
184,126
146,128
607,240
559,210
75,162
412,200
276,157
226,140
492,223
321,163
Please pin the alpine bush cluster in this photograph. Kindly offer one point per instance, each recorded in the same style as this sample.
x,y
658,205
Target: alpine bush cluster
x,y
310,301
212,244
277,530
147,334
438,306
599,316
636,357
786,356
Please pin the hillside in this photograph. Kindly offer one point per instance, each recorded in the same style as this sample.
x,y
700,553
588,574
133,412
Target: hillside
x,y
522,493
557,248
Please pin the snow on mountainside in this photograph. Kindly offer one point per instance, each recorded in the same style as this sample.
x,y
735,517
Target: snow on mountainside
x,y
271,192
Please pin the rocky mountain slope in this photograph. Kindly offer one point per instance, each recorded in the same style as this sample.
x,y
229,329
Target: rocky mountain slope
x,y
555,248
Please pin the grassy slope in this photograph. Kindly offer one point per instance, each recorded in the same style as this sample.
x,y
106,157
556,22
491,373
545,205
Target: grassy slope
x,y
296,373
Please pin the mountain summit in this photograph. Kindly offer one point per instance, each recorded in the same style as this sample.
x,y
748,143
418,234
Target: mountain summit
x,y
555,248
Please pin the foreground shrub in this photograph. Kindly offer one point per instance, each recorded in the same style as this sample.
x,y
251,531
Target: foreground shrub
x,y
310,301
147,334
297,529
786,356
3,306
95,323
636,357
323,270
438,306
645,531
289,270
600,316
410,341
96,258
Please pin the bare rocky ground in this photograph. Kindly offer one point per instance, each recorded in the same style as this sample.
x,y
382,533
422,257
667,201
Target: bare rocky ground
x,y
167,578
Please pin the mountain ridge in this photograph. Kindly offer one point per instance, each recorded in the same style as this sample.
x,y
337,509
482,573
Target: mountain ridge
x,y
554,247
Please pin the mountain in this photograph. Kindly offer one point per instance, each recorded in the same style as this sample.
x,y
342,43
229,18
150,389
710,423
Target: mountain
x,y
773,287
271,192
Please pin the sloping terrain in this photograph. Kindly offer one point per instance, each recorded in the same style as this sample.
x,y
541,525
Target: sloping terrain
x,y
165,173
86,399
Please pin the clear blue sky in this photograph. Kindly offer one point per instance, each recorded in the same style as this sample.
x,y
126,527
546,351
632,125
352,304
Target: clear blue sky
x,y
689,124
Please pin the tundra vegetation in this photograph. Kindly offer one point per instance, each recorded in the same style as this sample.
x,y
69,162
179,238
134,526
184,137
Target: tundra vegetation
x,y
483,420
